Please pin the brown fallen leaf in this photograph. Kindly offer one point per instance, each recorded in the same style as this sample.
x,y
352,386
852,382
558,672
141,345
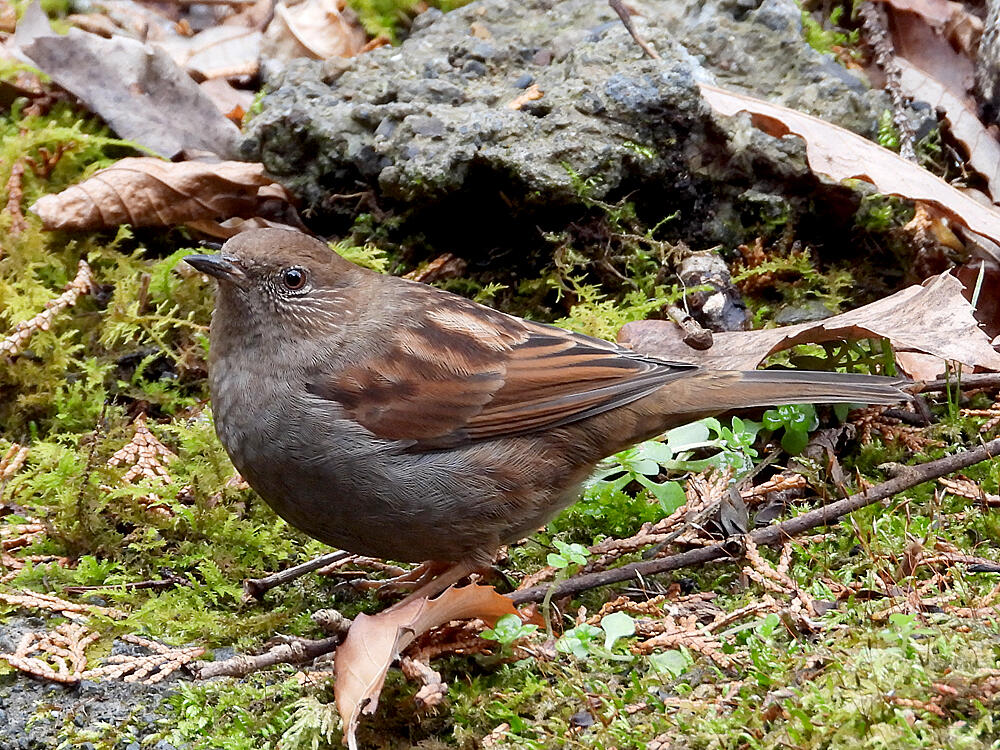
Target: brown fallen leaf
x,y
312,28
143,191
217,52
839,154
963,121
137,89
947,17
933,318
374,642
232,102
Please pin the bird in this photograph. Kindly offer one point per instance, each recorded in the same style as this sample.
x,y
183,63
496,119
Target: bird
x,y
392,419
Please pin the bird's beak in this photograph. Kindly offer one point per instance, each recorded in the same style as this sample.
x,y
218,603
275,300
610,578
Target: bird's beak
x,y
219,266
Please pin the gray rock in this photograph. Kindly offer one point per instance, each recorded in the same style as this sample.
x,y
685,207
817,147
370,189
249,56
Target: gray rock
x,y
429,123
39,715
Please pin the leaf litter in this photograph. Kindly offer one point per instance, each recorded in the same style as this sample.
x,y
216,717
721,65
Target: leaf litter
x,y
933,318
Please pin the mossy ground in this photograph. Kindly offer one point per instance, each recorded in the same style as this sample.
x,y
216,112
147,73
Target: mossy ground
x,y
138,346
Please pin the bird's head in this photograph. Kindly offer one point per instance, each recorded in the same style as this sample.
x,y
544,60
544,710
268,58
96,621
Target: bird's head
x,y
286,278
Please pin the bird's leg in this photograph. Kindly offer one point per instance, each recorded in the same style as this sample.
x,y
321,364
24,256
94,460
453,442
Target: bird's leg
x,y
408,581
433,584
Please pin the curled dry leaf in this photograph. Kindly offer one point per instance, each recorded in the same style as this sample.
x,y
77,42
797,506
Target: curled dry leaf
x,y
144,191
312,28
933,318
963,121
374,642
946,17
842,155
217,52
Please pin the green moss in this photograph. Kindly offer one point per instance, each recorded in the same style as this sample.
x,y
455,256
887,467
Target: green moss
x,y
140,347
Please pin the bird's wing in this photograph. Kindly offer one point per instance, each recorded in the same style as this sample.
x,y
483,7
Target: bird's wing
x,y
455,372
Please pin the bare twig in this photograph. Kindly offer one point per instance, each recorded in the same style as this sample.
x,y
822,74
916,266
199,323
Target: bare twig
x,y
255,588
296,652
874,22
169,580
983,380
770,534
618,6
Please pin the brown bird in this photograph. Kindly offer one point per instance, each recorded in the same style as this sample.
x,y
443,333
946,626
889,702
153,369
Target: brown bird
x,y
392,419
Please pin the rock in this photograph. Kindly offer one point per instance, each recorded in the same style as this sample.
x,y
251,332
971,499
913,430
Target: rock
x,y
111,703
988,63
436,130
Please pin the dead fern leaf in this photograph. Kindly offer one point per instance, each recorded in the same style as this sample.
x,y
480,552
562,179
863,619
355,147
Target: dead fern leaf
x,y
58,656
82,284
144,453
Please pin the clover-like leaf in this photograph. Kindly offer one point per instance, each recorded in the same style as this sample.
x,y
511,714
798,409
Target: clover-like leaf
x,y
615,626
579,640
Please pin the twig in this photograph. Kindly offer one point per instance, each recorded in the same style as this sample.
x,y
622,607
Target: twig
x,y
295,652
874,22
770,534
255,588
618,6
168,581
694,335
984,380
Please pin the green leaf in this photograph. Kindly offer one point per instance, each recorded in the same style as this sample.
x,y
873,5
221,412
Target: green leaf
x,y
692,434
794,441
509,628
616,625
578,641
673,662
670,494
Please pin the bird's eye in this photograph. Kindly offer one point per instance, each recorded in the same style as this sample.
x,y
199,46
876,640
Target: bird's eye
x,y
293,278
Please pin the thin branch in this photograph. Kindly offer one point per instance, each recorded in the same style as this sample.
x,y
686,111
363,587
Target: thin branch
x,y
618,6
828,514
297,651
875,24
984,380
255,588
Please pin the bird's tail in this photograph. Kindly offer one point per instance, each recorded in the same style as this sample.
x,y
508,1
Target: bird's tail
x,y
717,391
771,387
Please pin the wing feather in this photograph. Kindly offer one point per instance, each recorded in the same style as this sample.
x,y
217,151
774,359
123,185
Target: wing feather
x,y
462,373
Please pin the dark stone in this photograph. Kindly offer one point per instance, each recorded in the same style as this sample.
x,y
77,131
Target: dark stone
x,y
601,97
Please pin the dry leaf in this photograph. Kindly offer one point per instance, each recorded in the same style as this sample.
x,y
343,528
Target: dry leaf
x,y
947,17
149,192
137,89
217,52
842,155
933,318
964,123
375,642
232,102
312,28
923,46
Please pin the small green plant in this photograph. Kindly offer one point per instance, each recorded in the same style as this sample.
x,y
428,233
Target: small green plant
x,y
617,625
508,630
674,662
888,134
579,640
797,421
568,554
826,40
584,640
903,632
